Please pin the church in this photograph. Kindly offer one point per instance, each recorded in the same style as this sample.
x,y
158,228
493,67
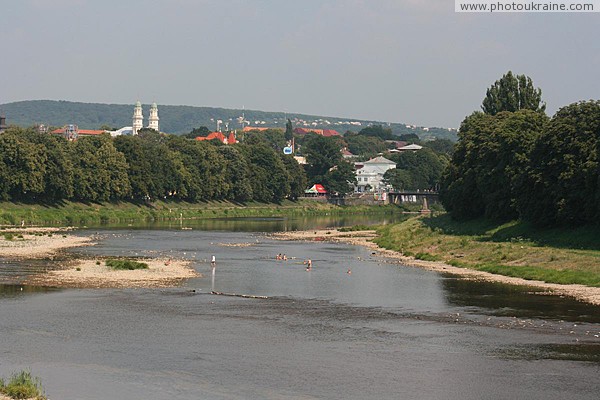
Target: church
x,y
138,118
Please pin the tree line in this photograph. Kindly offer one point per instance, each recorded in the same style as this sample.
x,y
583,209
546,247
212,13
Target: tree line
x,y
513,161
47,168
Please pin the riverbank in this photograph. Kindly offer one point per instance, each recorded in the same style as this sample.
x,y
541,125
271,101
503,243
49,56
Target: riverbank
x,y
32,243
79,214
369,239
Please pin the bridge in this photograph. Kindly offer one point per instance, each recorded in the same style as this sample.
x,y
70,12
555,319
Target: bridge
x,y
412,197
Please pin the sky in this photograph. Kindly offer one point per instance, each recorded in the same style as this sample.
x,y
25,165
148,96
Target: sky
x,y
408,61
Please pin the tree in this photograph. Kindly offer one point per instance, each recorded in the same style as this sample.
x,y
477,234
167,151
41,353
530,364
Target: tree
x,y
424,166
340,179
289,130
377,131
399,179
322,153
297,176
561,186
483,174
237,174
367,146
270,179
23,164
99,170
512,93
196,132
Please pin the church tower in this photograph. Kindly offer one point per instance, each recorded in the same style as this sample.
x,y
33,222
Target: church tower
x,y
138,118
153,119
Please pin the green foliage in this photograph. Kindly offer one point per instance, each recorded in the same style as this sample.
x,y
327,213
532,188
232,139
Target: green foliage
x,y
424,167
362,145
355,228
484,175
340,179
196,132
378,131
513,93
562,183
125,264
322,154
22,385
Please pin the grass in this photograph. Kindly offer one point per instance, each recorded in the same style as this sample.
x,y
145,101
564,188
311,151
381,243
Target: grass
x,y
125,264
564,256
22,385
355,228
73,213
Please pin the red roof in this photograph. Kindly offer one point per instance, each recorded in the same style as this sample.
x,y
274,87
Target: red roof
x,y
231,138
61,131
322,132
213,135
254,128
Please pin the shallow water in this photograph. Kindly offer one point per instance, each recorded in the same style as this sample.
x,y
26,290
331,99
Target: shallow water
x,y
383,332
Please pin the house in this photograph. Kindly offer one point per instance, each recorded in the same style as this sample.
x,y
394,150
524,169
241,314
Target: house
x,y
346,154
410,147
369,174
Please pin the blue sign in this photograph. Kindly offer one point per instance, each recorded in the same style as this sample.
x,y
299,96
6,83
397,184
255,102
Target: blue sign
x,y
287,150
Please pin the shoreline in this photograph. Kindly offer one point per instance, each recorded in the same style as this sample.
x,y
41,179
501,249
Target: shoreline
x,y
39,243
582,293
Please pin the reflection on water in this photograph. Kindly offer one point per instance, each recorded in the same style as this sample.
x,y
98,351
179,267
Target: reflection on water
x,y
265,224
521,301
8,291
589,352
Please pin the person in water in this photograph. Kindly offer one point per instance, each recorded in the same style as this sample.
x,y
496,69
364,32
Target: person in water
x,y
213,261
308,264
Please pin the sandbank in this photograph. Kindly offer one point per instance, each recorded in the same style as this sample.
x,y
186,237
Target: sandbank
x,y
32,243
94,273
364,238
38,242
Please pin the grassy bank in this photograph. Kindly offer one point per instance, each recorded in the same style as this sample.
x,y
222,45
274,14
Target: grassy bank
x,y
513,249
72,213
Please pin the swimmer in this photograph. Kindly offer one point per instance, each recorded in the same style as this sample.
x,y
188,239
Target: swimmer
x,y
349,271
308,264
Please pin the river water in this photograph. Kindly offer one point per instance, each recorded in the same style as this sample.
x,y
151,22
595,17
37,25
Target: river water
x,y
385,331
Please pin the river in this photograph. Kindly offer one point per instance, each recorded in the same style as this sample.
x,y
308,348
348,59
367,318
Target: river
x,y
382,332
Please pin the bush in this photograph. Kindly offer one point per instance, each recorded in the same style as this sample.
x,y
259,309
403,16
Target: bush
x,y
9,236
126,265
22,385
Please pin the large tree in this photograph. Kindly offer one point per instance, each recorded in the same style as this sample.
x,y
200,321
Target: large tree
x,y
491,153
322,153
512,93
562,182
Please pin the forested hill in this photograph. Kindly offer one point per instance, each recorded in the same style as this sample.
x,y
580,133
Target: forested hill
x,y
182,119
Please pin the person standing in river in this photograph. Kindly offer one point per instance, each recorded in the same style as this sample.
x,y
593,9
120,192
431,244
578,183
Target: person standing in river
x,y
213,262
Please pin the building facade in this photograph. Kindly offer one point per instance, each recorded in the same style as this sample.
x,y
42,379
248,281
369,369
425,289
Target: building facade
x,y
369,174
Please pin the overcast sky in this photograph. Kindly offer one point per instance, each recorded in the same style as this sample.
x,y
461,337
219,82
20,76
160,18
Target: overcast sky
x,y
411,61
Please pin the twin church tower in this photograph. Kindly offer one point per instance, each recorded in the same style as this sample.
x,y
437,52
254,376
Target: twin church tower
x,y
138,118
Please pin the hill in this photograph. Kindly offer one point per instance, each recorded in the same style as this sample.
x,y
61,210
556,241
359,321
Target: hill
x,y
182,119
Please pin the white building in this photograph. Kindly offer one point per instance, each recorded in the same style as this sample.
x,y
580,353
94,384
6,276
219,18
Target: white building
x,y
153,119
369,174
138,118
